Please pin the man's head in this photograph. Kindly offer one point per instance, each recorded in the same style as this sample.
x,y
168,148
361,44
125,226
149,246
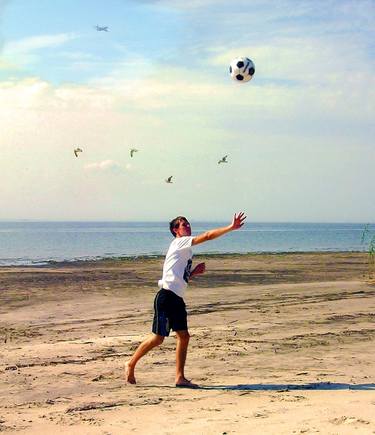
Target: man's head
x,y
180,227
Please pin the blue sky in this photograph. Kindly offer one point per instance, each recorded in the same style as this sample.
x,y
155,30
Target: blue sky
x,y
299,135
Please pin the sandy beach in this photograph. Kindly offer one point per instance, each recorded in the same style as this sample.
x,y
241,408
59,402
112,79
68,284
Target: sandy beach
x,y
280,344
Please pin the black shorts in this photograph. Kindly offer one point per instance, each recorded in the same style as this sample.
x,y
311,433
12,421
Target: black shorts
x,y
170,313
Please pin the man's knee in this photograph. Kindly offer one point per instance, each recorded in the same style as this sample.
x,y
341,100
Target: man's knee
x,y
183,336
158,339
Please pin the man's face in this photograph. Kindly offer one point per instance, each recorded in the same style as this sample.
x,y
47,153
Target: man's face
x,y
183,229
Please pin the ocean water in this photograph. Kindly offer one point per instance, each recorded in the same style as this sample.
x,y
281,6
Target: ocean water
x,y
27,243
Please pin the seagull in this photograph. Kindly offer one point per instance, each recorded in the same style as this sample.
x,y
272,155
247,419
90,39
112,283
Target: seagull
x,y
101,28
223,160
169,179
132,151
76,151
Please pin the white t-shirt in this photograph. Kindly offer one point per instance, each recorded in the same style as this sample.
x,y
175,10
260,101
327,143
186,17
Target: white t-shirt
x,y
177,265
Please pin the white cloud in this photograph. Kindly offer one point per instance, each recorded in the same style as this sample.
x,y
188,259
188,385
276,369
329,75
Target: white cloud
x,y
37,94
330,88
26,51
33,43
106,166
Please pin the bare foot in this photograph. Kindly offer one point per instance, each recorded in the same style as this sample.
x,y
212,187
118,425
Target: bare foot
x,y
185,383
129,374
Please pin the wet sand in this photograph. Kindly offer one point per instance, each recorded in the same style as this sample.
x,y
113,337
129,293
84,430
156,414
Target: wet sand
x,y
280,344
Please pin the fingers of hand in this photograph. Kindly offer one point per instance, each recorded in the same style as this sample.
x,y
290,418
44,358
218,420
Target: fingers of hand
x,y
238,220
240,215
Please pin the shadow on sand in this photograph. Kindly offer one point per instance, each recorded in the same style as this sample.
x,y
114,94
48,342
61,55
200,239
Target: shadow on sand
x,y
290,387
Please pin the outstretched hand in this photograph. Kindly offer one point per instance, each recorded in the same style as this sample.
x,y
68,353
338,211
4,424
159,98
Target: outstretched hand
x,y
238,220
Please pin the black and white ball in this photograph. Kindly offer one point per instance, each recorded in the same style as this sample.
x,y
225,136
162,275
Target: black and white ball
x,y
242,69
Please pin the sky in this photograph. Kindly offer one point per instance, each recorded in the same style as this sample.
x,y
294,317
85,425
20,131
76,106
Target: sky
x,y
299,136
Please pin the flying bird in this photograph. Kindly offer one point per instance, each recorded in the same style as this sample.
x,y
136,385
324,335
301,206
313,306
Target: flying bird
x,y
223,160
132,151
76,151
101,28
169,179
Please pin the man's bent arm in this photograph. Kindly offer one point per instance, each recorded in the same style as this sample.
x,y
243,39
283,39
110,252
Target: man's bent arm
x,y
237,222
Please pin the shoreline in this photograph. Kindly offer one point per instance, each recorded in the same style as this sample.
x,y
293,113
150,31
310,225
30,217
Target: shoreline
x,y
150,257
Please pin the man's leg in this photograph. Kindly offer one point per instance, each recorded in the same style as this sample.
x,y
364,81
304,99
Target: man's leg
x,y
148,344
181,352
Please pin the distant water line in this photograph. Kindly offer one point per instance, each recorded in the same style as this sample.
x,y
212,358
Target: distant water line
x,y
35,243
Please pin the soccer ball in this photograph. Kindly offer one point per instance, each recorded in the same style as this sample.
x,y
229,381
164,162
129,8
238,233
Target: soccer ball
x,y
242,69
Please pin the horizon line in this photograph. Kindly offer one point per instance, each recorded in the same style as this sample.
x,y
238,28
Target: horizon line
x,y
192,220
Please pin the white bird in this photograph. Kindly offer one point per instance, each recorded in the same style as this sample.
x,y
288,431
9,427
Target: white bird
x,y
223,160
132,151
76,151
169,179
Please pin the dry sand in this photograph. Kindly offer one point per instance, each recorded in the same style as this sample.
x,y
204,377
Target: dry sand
x,y
281,344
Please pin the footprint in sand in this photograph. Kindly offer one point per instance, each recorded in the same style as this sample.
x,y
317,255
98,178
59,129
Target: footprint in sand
x,y
347,420
98,378
260,415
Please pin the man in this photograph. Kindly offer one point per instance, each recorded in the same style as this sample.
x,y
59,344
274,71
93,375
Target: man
x,y
169,306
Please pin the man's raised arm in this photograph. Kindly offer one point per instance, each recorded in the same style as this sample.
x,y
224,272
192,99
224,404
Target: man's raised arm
x,y
237,222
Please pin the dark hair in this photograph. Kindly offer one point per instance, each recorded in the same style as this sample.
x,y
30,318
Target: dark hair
x,y
174,223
